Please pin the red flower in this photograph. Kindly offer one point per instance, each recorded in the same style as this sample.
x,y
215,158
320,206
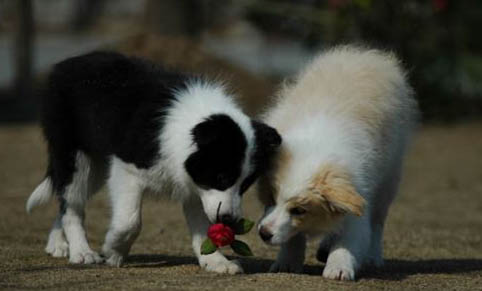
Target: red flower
x,y
220,234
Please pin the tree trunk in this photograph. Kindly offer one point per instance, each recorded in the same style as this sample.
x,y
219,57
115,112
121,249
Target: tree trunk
x,y
23,51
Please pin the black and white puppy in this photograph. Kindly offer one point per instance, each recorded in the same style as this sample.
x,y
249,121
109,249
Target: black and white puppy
x,y
137,127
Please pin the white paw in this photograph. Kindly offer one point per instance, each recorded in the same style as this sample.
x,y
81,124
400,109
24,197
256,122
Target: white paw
x,y
57,246
118,244
292,265
339,273
86,256
115,260
340,266
219,264
113,257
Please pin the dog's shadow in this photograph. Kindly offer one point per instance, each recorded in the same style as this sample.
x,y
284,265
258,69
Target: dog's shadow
x,y
396,269
393,270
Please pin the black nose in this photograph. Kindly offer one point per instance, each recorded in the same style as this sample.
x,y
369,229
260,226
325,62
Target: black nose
x,y
265,234
227,219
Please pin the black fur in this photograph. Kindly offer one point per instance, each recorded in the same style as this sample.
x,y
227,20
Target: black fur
x,y
104,104
222,146
267,142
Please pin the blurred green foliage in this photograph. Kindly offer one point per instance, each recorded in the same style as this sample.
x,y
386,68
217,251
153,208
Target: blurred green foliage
x,y
438,40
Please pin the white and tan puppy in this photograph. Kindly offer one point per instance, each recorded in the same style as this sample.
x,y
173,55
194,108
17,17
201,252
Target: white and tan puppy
x,y
345,122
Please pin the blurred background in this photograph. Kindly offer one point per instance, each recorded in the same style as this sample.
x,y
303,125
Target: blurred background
x,y
253,43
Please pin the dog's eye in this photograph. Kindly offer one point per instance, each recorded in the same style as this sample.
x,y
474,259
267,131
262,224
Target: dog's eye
x,y
297,211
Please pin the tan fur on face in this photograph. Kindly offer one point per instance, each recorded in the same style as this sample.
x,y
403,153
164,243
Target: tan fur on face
x,y
316,219
330,195
334,185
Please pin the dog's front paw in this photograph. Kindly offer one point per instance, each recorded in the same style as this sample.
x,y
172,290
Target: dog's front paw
x,y
85,256
339,273
113,257
219,264
115,260
288,265
340,266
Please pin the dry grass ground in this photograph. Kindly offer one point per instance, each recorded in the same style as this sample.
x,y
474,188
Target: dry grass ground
x,y
433,238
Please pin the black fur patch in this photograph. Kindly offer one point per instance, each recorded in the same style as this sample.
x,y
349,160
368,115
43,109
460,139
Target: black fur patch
x,y
267,142
221,151
103,104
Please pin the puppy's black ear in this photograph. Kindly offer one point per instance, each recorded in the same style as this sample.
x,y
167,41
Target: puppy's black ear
x,y
266,136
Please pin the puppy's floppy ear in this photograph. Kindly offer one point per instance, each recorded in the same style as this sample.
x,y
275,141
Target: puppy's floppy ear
x,y
266,136
333,185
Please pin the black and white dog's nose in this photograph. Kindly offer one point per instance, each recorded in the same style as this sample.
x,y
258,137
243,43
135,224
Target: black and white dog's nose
x,y
227,219
265,234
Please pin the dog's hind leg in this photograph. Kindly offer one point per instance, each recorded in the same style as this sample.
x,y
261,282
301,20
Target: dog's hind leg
x,y
385,196
57,245
73,202
198,224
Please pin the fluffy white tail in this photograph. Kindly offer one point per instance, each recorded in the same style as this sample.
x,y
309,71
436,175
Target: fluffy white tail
x,y
40,195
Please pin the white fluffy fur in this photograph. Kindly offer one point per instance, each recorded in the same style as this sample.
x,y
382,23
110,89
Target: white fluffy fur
x,y
352,107
127,184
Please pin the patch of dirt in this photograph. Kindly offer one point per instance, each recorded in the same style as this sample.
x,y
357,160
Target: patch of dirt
x,y
433,237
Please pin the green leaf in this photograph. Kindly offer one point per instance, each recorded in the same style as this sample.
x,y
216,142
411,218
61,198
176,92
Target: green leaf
x,y
208,247
241,248
243,226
